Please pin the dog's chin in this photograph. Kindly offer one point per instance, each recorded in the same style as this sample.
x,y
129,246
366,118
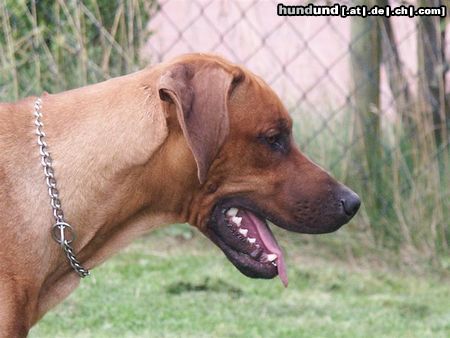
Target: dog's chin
x,y
246,239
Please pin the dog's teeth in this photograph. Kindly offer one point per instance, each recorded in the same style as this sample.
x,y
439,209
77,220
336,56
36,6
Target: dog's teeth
x,y
232,212
271,257
236,220
251,240
243,231
256,253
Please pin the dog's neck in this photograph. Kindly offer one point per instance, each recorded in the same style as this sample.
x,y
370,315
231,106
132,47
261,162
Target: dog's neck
x,y
104,140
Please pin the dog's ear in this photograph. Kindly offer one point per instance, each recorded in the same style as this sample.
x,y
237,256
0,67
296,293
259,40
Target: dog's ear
x,y
200,94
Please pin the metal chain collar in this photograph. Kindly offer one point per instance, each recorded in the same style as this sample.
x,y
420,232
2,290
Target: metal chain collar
x,y
62,232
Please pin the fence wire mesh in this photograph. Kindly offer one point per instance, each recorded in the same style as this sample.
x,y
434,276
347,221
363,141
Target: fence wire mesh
x,y
315,65
368,96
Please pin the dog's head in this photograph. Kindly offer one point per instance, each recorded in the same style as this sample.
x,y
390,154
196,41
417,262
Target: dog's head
x,y
249,168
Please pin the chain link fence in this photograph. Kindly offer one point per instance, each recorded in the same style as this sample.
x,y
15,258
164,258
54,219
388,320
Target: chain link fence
x,y
368,95
357,89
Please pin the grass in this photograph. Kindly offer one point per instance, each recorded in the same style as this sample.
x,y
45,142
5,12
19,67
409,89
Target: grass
x,y
57,45
382,276
168,285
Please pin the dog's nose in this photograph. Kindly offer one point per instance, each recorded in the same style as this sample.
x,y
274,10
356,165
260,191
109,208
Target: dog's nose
x,y
350,202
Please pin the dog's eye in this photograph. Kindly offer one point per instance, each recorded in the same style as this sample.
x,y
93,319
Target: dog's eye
x,y
273,139
276,141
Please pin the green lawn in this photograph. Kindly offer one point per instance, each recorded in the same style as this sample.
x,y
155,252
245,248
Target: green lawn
x,y
164,286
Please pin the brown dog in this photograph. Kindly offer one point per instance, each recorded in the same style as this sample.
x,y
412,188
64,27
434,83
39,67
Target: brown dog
x,y
195,140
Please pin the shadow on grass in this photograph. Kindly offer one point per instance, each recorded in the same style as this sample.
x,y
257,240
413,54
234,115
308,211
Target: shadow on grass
x,y
207,285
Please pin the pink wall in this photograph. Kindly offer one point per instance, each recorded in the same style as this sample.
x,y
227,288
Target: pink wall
x,y
303,58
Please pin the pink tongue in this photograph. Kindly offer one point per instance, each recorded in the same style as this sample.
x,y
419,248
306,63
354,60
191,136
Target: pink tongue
x,y
270,243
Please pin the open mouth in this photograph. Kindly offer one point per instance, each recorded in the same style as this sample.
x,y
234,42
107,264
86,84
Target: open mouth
x,y
248,242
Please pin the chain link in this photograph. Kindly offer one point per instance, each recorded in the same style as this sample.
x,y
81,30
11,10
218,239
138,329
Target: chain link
x,y
62,232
